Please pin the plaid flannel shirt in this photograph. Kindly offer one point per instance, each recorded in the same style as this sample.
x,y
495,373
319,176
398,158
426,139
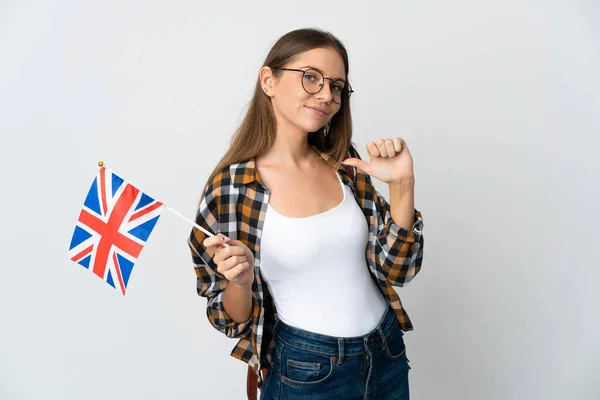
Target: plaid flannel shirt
x,y
235,204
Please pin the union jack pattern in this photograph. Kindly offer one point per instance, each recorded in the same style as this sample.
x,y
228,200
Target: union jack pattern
x,y
114,225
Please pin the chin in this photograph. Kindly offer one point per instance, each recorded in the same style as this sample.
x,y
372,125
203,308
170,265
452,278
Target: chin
x,y
310,124
311,127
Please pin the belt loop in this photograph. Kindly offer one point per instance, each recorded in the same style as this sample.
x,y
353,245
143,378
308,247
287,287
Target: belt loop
x,y
382,334
340,350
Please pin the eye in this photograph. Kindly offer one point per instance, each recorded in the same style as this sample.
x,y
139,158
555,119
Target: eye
x,y
310,77
336,88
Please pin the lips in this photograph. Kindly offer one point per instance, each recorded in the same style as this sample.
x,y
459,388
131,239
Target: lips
x,y
318,110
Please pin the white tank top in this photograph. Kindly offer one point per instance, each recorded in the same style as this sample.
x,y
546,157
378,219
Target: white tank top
x,y
316,270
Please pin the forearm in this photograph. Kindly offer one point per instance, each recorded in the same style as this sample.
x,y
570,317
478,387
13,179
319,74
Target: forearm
x,y
237,301
402,203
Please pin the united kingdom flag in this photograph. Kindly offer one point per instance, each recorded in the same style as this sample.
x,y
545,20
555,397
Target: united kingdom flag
x,y
113,227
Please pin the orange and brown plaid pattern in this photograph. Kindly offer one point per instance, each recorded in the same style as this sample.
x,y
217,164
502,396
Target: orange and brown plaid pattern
x,y
235,204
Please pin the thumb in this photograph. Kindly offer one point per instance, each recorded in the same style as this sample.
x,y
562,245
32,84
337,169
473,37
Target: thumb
x,y
224,240
358,163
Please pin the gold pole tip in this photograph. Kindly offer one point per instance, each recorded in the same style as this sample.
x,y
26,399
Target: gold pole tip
x,y
101,164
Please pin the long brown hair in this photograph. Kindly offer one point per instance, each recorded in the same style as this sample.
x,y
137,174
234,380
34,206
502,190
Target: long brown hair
x,y
256,133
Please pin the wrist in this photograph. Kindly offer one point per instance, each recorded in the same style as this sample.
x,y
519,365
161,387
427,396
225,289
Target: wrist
x,y
403,184
243,286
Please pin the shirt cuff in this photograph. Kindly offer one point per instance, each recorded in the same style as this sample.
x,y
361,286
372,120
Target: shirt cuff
x,y
409,236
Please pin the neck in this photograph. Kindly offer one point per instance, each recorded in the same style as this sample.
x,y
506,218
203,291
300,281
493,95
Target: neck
x,y
290,147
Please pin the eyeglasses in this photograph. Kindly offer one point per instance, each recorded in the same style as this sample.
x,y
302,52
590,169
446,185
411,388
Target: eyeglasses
x,y
313,81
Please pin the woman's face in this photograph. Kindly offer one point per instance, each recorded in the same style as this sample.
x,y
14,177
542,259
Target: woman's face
x,y
293,105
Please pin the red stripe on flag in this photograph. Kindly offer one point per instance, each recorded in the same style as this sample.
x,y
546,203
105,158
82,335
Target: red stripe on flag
x,y
118,269
145,211
84,253
109,232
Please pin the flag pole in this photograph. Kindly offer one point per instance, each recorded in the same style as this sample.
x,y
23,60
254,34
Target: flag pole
x,y
189,221
209,234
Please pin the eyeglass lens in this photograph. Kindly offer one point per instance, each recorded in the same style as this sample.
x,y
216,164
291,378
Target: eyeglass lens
x,y
313,81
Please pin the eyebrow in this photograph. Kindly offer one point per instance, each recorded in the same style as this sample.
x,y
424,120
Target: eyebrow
x,y
311,67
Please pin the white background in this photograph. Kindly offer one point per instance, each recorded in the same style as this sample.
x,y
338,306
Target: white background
x,y
498,101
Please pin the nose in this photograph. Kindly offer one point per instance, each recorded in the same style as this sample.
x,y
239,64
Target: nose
x,y
325,93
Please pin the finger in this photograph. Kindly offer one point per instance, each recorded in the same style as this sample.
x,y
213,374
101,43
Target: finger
x,y
215,240
358,163
224,253
212,250
373,150
389,146
229,263
381,147
398,144
234,272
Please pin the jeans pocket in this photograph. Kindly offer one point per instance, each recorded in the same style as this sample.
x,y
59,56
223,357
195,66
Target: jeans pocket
x,y
305,368
303,371
395,348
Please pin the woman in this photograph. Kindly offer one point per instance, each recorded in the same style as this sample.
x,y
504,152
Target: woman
x,y
303,268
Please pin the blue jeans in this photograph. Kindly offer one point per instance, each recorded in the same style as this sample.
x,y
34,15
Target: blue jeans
x,y
308,365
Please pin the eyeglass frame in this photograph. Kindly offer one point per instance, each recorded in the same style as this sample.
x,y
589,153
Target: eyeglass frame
x,y
346,86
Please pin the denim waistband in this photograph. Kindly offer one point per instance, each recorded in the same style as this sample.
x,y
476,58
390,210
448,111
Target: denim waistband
x,y
332,345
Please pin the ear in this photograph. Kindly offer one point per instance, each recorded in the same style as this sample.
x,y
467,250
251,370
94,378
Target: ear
x,y
267,80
